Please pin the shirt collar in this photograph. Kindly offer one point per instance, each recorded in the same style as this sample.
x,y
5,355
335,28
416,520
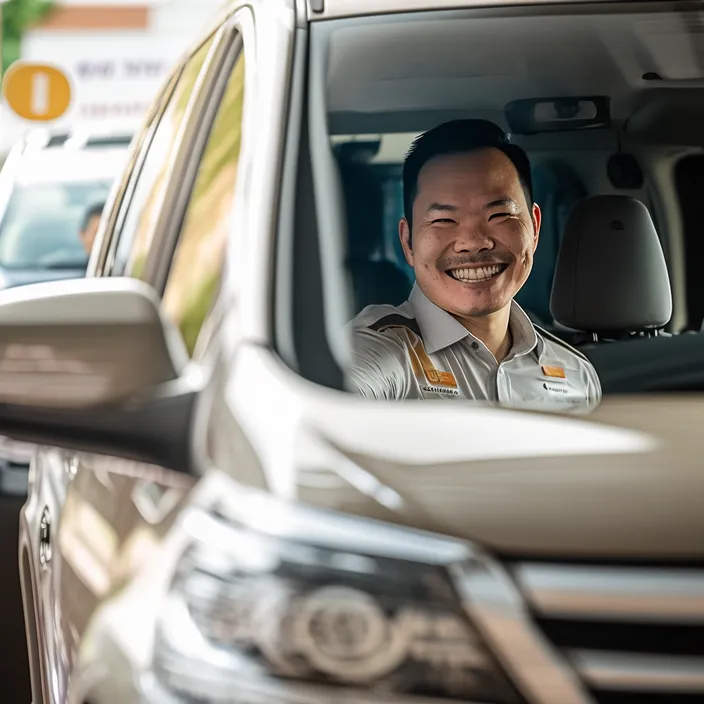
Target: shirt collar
x,y
440,329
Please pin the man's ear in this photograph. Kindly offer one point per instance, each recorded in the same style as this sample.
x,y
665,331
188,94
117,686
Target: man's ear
x,y
537,218
404,234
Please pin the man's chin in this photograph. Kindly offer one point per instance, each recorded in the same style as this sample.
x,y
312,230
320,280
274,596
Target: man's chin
x,y
478,312
466,301
478,308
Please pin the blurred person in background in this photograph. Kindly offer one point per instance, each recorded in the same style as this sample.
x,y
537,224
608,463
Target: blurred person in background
x,y
90,226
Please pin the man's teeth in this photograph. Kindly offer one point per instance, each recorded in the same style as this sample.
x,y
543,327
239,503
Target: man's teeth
x,y
476,273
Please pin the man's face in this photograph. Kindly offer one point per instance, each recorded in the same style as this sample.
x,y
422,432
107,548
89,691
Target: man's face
x,y
474,234
88,235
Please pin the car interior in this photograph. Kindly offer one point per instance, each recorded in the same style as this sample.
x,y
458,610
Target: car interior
x,y
613,133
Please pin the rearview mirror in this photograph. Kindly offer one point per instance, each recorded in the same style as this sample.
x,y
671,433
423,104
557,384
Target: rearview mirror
x,y
90,364
535,115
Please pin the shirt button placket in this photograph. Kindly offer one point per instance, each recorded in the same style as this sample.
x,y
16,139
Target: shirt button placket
x,y
501,385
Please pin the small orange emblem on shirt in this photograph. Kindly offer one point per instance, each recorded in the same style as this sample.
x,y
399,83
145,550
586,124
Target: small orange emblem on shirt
x,y
555,372
441,378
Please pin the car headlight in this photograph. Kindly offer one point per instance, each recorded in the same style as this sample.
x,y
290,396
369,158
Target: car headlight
x,y
256,618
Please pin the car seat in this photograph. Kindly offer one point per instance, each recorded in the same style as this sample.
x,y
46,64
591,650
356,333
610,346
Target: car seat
x,y
556,189
611,280
376,280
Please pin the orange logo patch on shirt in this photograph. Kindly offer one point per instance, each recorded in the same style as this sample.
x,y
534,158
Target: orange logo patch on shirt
x,y
554,372
434,376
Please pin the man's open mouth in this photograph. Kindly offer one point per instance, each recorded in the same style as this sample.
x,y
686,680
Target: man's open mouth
x,y
477,273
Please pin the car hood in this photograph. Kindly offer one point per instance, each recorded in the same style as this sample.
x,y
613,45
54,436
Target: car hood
x,y
624,481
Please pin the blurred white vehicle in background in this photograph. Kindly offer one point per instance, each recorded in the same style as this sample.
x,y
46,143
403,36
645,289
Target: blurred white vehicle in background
x,y
47,185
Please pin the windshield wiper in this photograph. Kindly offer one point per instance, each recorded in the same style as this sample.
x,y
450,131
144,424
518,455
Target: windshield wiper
x,y
35,266
64,265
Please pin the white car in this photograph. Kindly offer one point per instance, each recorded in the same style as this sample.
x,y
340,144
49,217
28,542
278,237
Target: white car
x,y
49,181
216,518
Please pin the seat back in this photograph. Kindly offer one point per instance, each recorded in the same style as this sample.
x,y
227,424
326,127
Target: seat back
x,y
611,278
376,280
556,188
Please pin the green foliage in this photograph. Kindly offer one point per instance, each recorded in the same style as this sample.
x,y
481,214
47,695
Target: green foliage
x,y
17,17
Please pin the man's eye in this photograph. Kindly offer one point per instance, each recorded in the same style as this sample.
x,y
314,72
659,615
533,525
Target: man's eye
x,y
442,220
494,216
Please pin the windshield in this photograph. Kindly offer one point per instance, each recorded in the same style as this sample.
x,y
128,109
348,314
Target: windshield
x,y
42,223
518,220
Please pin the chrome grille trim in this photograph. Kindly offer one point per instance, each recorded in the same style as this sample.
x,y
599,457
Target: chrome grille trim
x,y
642,672
614,593
625,629
496,608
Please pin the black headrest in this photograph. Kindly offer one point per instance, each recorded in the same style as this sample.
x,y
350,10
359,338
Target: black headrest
x,y
364,199
611,274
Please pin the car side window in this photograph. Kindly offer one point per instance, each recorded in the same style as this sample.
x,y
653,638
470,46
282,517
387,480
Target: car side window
x,y
105,244
142,209
193,280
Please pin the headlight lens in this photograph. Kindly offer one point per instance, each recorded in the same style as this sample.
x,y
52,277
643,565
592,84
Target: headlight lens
x,y
253,618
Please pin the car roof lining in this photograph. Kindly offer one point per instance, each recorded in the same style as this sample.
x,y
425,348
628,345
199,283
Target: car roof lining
x,y
409,72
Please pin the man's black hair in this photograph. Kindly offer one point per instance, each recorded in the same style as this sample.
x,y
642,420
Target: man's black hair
x,y
94,210
457,137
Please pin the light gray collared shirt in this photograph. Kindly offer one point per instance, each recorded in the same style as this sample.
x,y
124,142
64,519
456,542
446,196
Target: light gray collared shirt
x,y
417,350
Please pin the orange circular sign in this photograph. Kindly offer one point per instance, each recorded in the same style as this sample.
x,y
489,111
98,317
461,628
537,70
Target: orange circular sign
x,y
36,92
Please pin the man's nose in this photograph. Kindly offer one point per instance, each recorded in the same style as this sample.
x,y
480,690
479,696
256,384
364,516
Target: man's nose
x,y
473,239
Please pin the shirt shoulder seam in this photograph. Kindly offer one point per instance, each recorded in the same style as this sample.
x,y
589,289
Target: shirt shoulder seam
x,y
395,320
558,341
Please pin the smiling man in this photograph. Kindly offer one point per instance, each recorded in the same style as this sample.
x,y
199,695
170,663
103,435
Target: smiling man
x,y
470,231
